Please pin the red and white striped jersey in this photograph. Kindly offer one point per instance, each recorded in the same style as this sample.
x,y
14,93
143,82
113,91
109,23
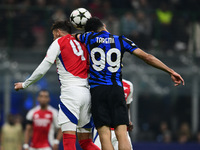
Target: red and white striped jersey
x,y
128,91
71,59
44,123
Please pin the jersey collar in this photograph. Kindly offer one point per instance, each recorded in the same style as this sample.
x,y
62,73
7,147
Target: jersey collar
x,y
105,32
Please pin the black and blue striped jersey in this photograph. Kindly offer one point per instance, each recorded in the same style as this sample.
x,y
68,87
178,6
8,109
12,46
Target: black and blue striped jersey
x,y
106,52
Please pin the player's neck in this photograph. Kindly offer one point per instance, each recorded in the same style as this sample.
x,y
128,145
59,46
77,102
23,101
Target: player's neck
x,y
63,33
44,107
103,29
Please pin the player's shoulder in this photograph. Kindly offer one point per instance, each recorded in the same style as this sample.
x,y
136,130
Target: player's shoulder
x,y
90,34
34,109
122,37
66,39
115,36
63,38
52,109
127,82
5,126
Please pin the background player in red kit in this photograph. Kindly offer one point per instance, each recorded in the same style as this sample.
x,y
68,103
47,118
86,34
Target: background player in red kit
x,y
41,125
128,93
75,101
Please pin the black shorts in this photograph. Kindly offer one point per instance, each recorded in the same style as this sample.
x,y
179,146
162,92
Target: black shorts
x,y
109,106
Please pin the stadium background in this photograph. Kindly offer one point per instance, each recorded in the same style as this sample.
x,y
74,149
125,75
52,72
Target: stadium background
x,y
168,29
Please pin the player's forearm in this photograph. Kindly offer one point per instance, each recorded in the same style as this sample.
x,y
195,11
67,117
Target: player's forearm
x,y
155,62
39,72
59,134
27,134
152,60
129,112
77,36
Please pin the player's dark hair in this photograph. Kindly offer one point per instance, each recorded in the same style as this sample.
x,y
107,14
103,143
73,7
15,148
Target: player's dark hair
x,y
43,90
62,25
93,24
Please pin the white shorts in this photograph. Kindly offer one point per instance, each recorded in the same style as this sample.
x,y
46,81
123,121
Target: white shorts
x,y
75,107
114,141
69,126
46,148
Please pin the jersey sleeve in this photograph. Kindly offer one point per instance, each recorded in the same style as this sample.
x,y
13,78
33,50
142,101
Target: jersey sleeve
x,y
39,72
53,51
29,116
129,45
84,37
44,66
130,96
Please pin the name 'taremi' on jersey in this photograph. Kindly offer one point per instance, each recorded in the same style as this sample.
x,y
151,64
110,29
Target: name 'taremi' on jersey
x,y
106,52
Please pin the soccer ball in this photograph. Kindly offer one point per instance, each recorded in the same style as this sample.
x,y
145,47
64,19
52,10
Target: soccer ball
x,y
79,17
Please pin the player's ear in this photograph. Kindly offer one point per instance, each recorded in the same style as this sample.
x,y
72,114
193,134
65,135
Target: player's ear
x,y
104,25
58,32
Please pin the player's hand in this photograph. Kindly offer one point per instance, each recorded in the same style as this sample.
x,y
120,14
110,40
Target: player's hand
x,y
18,86
177,79
130,127
55,146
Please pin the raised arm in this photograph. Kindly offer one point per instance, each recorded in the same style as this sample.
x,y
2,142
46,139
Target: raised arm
x,y
155,62
41,70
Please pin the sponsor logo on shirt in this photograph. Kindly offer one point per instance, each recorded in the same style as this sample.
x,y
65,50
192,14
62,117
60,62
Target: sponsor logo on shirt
x,y
42,122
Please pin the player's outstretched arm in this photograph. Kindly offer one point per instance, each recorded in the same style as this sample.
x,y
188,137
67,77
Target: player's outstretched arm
x,y
39,72
155,62
44,66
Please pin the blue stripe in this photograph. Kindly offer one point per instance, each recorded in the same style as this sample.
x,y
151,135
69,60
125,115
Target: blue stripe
x,y
60,57
92,86
90,124
66,111
81,38
95,137
86,37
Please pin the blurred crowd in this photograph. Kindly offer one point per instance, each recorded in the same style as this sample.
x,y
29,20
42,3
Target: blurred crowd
x,y
12,133
165,134
165,25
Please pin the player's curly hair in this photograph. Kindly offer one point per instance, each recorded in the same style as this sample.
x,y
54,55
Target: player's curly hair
x,y
62,25
93,24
